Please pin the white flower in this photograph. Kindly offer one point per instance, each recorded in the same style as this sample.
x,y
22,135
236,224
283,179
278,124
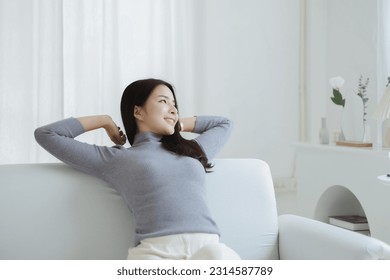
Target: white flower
x,y
336,82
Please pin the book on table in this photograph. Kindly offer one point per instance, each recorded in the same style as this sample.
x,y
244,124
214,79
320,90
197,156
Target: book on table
x,y
351,222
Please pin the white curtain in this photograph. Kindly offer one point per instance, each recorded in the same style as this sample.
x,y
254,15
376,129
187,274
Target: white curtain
x,y
62,58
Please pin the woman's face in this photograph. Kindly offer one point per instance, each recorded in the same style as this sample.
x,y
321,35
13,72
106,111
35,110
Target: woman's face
x,y
158,114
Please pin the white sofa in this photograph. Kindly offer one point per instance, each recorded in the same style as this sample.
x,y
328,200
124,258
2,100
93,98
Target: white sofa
x,y
50,211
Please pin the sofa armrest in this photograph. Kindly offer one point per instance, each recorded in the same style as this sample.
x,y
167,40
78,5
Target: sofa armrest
x,y
303,238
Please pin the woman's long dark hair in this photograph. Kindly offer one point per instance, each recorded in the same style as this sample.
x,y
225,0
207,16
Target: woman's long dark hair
x,y
136,94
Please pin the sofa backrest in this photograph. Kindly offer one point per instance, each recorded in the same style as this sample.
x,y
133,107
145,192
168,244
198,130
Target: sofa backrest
x,y
50,211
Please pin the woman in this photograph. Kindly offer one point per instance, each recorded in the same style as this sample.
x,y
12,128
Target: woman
x,y
161,176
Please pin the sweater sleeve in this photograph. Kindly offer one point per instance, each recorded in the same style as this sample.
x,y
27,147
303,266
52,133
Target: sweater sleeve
x,y
58,139
214,132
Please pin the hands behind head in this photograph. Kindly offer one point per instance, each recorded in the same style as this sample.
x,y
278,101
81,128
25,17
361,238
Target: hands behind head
x,y
115,133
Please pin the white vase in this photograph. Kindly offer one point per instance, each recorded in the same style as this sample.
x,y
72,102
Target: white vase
x,y
366,133
341,135
324,132
386,133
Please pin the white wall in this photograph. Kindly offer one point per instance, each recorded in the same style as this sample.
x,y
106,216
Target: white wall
x,y
342,41
342,38
248,70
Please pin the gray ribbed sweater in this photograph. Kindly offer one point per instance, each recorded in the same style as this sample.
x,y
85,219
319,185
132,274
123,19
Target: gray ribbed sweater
x,y
165,192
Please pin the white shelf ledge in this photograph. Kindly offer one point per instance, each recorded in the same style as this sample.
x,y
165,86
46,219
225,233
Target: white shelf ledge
x,y
374,151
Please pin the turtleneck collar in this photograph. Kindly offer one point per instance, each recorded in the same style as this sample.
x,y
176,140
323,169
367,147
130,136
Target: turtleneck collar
x,y
148,136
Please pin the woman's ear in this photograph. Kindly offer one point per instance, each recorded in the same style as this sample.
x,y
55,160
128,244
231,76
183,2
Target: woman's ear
x,y
137,112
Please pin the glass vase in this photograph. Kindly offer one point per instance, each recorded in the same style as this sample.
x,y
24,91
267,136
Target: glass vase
x,y
324,132
341,137
366,133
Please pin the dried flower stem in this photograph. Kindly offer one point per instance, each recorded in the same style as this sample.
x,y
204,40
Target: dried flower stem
x,y
362,88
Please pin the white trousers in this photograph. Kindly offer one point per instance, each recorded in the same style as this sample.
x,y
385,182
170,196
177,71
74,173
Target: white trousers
x,y
188,246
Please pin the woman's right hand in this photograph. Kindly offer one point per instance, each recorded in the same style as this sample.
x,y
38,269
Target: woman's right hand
x,y
115,133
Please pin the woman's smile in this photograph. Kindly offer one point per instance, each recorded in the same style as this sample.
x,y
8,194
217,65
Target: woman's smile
x,y
172,121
